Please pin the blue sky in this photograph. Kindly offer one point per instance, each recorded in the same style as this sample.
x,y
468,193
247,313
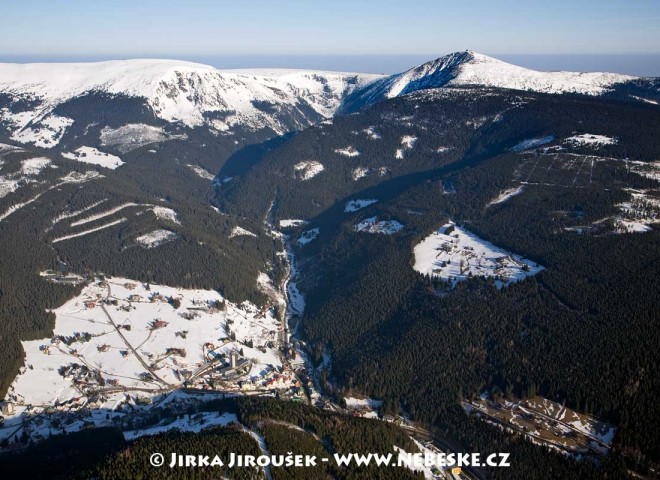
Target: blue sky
x,y
198,29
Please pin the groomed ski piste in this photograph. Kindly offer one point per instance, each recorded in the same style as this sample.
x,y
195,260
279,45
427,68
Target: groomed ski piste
x,y
454,254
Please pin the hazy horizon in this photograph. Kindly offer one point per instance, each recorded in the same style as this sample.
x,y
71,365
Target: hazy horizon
x,y
647,65
614,35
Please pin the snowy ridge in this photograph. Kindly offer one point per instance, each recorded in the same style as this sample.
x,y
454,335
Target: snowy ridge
x,y
176,91
469,68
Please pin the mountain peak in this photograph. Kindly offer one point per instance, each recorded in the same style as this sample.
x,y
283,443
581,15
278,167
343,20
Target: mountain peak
x,y
470,68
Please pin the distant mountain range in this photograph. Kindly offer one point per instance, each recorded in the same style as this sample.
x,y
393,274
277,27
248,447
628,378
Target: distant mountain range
x,y
32,96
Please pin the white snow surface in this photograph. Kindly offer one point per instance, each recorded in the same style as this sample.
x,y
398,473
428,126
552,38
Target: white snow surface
x,y
201,172
197,327
308,236
156,238
180,91
371,133
373,225
308,170
507,194
469,68
106,213
360,172
349,151
91,230
45,131
34,166
241,232
164,213
95,157
459,254
408,141
135,135
591,139
362,403
291,222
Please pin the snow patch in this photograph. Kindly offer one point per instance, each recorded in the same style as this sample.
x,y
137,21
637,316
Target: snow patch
x,y
44,133
156,238
507,194
95,157
308,236
408,141
34,166
373,225
201,172
135,135
241,232
164,213
591,140
371,133
307,170
292,223
349,151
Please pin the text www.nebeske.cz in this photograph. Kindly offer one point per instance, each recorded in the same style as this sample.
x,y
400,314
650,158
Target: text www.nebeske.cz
x,y
408,460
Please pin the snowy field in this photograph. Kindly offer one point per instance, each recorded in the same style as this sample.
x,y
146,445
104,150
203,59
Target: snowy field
x,y
121,341
44,133
34,166
590,139
176,91
94,157
156,238
201,172
454,254
292,222
373,225
135,135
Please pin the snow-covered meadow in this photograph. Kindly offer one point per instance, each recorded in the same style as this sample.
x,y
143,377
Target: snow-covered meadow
x,y
455,254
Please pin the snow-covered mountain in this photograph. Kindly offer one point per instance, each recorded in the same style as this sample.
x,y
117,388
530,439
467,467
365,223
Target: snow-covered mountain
x,y
474,69
41,103
188,93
